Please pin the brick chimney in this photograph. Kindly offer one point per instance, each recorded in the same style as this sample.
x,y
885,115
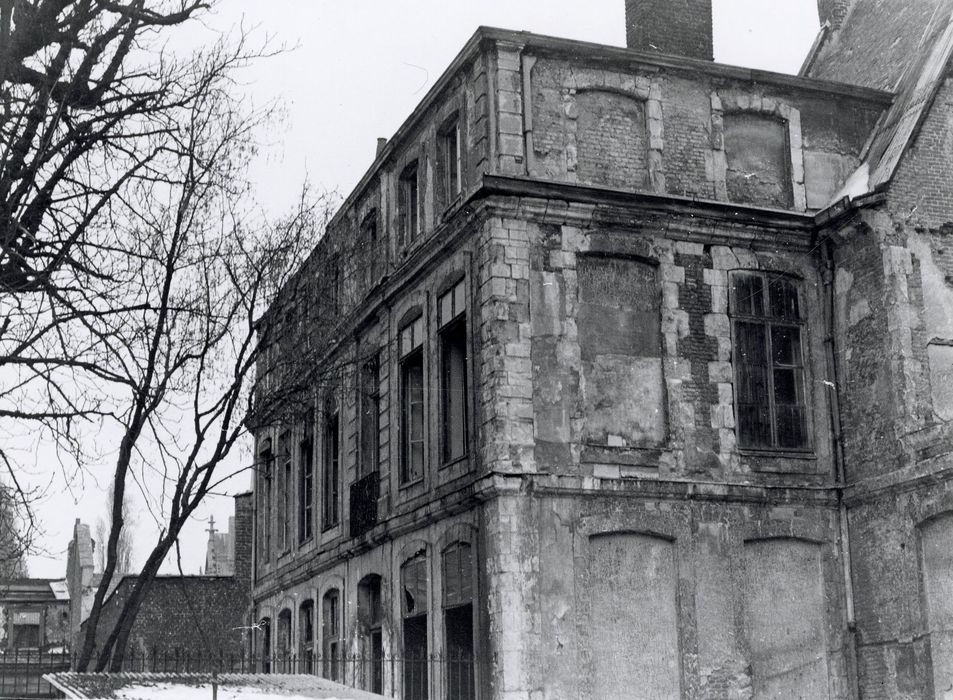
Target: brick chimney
x,y
833,12
242,537
679,27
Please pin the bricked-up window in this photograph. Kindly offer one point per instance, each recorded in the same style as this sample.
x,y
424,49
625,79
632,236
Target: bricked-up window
x,y
458,619
612,143
453,373
414,585
759,160
450,161
412,401
306,486
284,493
264,504
306,636
370,406
408,204
330,496
331,634
370,615
769,366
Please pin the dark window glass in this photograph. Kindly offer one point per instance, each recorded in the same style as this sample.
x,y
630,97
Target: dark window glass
x,y
265,505
769,368
284,501
332,456
306,626
371,615
458,619
373,264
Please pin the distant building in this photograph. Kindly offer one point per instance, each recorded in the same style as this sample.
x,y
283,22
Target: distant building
x,y
219,555
34,614
627,373
201,617
82,580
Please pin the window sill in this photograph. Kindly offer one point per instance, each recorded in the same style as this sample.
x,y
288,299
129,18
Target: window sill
x,y
329,527
792,453
409,484
455,461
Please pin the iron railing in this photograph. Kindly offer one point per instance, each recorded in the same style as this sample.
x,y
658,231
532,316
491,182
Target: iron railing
x,y
21,672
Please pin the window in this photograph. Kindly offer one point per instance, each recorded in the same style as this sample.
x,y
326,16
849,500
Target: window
x,y
414,579
332,463
284,488
369,238
759,159
458,619
306,486
450,159
769,369
408,204
264,639
264,503
412,402
331,634
370,403
306,626
283,651
370,614
453,373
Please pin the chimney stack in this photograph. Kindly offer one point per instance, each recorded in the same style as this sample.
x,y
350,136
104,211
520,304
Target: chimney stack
x,y
381,142
678,27
833,12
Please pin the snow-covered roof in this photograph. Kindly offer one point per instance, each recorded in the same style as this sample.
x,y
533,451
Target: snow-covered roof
x,y
198,686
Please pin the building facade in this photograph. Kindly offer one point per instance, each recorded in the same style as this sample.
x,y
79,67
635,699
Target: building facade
x,y
624,373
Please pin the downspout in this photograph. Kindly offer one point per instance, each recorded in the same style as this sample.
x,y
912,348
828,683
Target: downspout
x,y
839,462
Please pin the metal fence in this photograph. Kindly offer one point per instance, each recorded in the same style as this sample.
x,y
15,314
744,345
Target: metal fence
x,y
21,672
408,678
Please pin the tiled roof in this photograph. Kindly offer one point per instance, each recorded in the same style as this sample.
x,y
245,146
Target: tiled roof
x,y
177,685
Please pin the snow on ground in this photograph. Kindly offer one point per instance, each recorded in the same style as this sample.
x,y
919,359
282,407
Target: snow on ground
x,y
167,691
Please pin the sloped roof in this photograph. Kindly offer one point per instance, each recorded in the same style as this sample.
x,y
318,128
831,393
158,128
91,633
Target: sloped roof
x,y
916,91
32,590
186,686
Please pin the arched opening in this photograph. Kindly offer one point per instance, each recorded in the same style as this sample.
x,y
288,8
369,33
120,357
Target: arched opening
x,y
458,578
306,636
414,583
331,635
370,615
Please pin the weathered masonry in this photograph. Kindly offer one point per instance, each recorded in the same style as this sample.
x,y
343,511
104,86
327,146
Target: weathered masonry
x,y
625,373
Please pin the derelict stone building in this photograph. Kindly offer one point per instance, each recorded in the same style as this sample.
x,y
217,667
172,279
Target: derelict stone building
x,y
628,374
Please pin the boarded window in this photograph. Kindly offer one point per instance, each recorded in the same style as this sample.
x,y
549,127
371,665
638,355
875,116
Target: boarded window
x,y
785,619
611,140
619,337
633,624
759,160
769,363
937,560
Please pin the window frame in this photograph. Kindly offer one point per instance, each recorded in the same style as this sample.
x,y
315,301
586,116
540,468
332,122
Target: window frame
x,y
410,351
408,203
331,634
331,468
267,459
450,160
306,485
449,327
369,463
284,491
768,322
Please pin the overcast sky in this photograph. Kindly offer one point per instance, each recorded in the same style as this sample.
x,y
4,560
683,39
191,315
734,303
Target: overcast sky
x,y
353,72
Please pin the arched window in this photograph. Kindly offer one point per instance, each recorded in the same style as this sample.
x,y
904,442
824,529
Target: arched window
x,y
264,643
331,634
458,619
414,583
306,636
370,615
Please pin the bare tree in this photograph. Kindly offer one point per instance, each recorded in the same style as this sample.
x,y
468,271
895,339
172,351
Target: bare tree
x,y
124,549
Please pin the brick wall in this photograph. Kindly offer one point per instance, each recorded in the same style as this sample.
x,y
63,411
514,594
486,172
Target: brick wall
x,y
681,27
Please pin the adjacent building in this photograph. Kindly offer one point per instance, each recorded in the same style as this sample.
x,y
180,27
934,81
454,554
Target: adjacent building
x,y
624,369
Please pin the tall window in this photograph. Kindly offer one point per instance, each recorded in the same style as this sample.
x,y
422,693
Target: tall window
x,y
332,465
412,402
450,158
369,237
769,367
306,628
264,503
284,488
370,403
331,634
283,651
458,620
370,614
306,486
453,373
413,579
408,205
